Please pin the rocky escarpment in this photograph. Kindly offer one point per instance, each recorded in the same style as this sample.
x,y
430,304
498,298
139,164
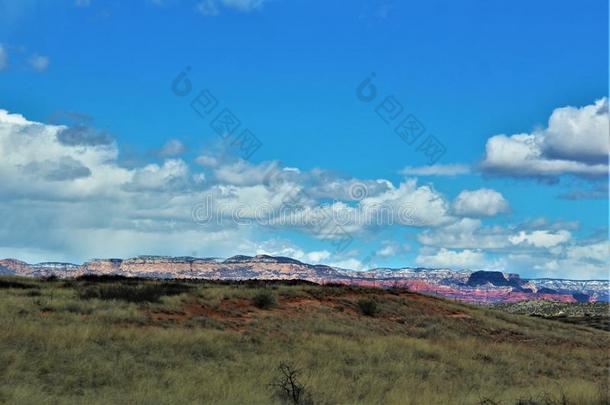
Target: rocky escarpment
x,y
499,279
477,286
490,277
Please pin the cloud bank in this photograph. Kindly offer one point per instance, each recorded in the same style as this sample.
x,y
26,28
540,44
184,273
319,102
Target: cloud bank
x,y
66,196
575,142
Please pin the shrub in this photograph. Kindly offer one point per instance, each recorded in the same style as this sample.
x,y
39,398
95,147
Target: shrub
x,y
544,399
16,284
264,300
133,293
107,278
368,307
288,388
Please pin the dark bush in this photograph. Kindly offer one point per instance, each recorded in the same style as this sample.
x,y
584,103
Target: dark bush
x,y
109,278
544,399
133,293
288,388
368,307
264,300
16,284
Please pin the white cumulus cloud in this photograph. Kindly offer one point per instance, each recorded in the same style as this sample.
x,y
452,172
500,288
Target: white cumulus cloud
x,y
483,202
445,258
543,238
66,196
599,251
576,142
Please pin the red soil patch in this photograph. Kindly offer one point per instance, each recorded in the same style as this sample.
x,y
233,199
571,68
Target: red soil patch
x,y
460,315
234,313
237,313
296,306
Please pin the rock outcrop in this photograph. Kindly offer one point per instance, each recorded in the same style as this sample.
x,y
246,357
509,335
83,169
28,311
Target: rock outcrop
x,y
477,286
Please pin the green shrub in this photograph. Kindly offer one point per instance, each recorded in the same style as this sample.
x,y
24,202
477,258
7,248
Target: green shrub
x,y
368,307
133,293
264,300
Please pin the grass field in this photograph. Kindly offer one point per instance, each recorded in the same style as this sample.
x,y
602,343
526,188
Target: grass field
x,y
111,341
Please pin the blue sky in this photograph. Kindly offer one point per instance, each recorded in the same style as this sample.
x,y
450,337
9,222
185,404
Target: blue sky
x,y
469,71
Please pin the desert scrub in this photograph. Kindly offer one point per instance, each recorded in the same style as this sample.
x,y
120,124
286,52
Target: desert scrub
x,y
368,306
264,300
10,283
58,348
145,292
288,387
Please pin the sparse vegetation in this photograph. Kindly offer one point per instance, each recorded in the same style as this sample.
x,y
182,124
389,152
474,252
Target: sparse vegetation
x,y
207,342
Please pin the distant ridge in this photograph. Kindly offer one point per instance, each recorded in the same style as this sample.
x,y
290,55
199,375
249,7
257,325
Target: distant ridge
x,y
472,286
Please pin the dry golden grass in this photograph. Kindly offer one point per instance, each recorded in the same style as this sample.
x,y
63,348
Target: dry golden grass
x,y
63,342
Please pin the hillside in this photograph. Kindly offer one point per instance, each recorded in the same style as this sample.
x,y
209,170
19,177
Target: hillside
x,y
114,340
